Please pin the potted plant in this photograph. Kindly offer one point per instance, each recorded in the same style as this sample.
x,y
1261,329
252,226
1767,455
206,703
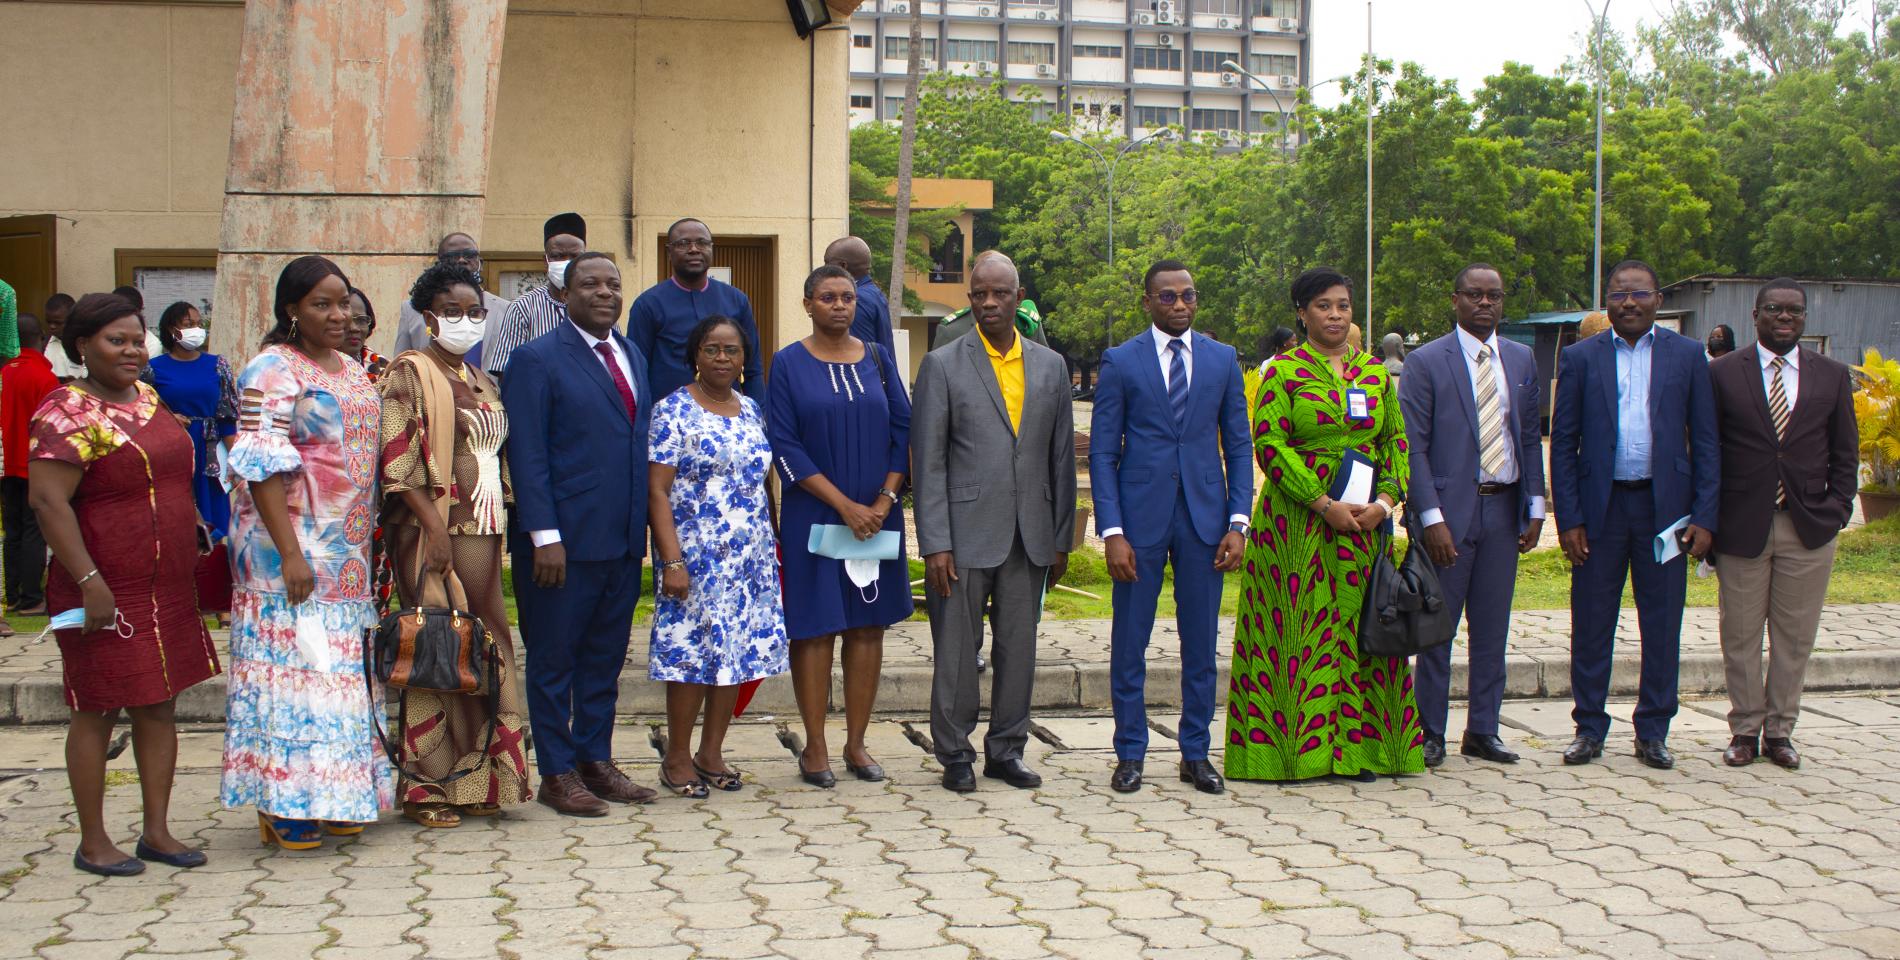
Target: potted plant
x,y
1877,411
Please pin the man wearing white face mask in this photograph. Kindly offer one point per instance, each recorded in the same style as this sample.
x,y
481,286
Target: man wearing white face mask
x,y
563,237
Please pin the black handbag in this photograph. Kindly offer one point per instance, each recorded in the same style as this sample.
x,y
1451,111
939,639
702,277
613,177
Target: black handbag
x,y
1404,612
438,649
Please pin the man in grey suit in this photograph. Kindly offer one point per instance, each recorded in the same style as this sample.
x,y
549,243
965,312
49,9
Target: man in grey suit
x,y
992,439
1471,420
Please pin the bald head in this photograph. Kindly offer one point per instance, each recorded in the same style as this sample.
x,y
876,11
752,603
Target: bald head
x,y
31,336
994,265
851,253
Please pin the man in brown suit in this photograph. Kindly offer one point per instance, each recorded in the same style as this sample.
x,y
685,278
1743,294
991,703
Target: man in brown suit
x,y
1785,416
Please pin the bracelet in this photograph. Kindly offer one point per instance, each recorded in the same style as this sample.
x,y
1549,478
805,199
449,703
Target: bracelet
x,y
670,564
82,580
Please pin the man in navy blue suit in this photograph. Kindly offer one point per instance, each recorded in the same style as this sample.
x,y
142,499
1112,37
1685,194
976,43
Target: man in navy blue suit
x,y
1472,426
1633,451
1171,466
578,404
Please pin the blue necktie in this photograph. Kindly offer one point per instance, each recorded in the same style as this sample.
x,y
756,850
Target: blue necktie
x,y
1178,383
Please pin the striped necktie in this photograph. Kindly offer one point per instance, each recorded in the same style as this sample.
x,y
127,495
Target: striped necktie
x,y
1178,383
1491,451
1778,409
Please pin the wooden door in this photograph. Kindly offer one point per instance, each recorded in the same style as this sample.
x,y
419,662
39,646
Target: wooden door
x,y
753,263
27,261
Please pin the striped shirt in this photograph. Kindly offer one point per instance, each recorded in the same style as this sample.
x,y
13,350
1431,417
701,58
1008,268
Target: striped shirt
x,y
528,317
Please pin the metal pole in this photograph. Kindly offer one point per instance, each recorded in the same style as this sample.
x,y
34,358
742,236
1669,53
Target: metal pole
x,y
1596,258
1370,92
1278,107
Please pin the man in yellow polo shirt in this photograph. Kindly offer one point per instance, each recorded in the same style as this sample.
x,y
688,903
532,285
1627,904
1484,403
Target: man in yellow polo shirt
x,y
993,469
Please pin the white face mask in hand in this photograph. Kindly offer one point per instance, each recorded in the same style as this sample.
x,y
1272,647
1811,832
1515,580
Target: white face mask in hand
x,y
313,642
459,335
191,338
75,619
863,573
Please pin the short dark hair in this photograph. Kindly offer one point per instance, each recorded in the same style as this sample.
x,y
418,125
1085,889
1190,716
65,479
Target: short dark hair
x,y
1158,267
298,278
685,220
705,327
437,278
823,272
1634,265
92,313
59,301
1278,340
1459,280
32,333
132,295
567,276
442,244
169,320
369,309
1315,281
1779,283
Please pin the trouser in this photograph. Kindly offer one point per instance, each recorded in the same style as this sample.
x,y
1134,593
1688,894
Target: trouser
x,y
1197,588
25,547
956,622
575,638
1624,550
1477,586
1784,588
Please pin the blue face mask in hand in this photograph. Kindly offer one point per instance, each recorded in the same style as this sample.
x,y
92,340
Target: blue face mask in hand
x,y
75,619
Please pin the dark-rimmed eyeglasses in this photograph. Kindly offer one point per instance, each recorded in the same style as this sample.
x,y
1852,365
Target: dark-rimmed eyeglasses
x,y
692,244
833,299
1483,296
456,313
1639,296
713,351
459,256
1791,311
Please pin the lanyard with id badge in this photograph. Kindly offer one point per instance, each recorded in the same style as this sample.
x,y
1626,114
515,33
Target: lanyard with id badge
x,y
1357,406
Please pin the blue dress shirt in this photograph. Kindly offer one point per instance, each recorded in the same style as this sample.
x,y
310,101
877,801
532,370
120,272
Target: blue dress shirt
x,y
1633,440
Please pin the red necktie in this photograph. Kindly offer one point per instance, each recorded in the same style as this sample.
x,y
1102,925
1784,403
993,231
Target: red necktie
x,y
620,379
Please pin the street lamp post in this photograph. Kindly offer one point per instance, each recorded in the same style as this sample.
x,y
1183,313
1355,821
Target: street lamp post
x,y
1108,169
1277,105
1596,258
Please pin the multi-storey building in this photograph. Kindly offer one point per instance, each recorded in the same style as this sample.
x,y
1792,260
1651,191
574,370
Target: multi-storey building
x,y
1118,66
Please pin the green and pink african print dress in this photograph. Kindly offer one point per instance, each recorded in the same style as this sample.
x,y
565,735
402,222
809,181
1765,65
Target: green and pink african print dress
x,y
1300,702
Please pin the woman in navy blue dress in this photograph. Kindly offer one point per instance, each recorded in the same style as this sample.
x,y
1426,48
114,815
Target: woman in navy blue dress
x,y
200,389
839,422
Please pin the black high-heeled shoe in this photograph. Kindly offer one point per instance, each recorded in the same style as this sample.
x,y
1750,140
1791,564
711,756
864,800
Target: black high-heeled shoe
x,y
823,778
183,859
869,773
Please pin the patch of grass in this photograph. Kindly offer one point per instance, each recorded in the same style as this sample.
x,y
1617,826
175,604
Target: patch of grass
x,y
122,778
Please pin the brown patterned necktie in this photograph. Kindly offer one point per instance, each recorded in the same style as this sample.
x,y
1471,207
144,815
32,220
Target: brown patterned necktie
x,y
1778,411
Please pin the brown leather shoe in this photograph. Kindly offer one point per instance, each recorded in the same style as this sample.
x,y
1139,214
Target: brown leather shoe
x,y
1780,752
1741,751
565,792
608,783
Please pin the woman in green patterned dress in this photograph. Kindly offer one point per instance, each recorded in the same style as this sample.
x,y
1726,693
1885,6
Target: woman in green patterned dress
x,y
1301,703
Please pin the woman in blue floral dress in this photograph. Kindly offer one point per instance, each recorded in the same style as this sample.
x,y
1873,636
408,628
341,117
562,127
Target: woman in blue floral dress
x,y
717,621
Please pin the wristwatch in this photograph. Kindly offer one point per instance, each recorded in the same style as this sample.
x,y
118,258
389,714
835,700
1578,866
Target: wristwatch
x,y
1237,527
895,499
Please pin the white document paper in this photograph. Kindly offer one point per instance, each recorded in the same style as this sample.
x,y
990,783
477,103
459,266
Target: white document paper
x,y
1358,489
1668,544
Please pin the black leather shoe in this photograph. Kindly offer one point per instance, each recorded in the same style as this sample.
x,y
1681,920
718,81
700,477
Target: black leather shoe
x,y
1486,747
129,867
958,778
1014,772
1127,778
981,664
184,859
1741,751
1203,776
869,773
1780,752
1583,750
1655,753
1434,750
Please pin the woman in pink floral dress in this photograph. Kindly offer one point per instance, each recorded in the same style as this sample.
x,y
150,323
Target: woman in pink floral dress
x,y
299,744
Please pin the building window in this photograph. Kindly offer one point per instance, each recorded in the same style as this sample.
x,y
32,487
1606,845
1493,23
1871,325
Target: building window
x,y
1209,61
1040,110
861,101
970,51
1218,8
898,48
894,109
1158,58
1097,51
1289,9
946,257
1034,4
1204,119
1269,65
1031,53
1152,117
863,40
1268,121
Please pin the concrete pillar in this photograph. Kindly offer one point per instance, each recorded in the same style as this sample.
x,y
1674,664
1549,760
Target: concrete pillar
x,y
361,133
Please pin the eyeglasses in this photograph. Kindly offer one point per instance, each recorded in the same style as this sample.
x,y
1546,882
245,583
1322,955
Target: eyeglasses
x,y
1483,296
1783,310
363,321
1640,296
713,351
1169,297
833,299
694,244
456,313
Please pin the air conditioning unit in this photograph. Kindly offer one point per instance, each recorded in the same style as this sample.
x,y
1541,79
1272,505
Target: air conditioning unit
x,y
899,8
1288,24
985,12
984,66
1045,69
927,64
1145,19
1286,83
1230,79
1229,136
1166,11
1166,40
1224,23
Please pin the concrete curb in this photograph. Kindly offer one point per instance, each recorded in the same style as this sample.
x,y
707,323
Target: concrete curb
x,y
1065,686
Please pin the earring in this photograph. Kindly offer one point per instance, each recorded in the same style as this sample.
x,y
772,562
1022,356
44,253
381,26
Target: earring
x,y
293,327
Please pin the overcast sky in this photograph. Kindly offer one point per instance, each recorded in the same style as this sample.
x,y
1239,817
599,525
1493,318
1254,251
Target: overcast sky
x,y
1462,40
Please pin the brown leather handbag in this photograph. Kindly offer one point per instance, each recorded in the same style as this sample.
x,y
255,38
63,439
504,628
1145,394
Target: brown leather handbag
x,y
443,649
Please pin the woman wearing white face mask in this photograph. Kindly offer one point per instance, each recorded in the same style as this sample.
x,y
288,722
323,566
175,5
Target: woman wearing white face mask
x,y
445,490
200,389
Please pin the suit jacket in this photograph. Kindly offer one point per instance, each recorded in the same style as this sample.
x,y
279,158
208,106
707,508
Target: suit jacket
x,y
1686,460
1138,459
578,464
1441,429
977,484
1818,464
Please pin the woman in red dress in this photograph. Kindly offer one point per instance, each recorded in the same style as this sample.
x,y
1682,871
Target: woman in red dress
x,y
110,476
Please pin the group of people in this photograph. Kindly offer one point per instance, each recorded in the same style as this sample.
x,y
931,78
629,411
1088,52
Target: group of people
x,y
358,484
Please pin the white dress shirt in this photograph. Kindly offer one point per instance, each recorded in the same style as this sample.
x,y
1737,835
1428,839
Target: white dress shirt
x,y
1790,374
1468,346
542,538
1165,357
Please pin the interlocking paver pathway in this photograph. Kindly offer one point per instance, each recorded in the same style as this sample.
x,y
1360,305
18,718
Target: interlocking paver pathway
x,y
1611,860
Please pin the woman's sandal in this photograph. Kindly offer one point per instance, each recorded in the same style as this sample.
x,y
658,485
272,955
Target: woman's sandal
x,y
288,834
694,789
434,815
480,809
728,781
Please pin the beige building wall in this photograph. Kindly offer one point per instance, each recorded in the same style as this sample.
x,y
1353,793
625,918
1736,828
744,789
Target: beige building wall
x,y
633,112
